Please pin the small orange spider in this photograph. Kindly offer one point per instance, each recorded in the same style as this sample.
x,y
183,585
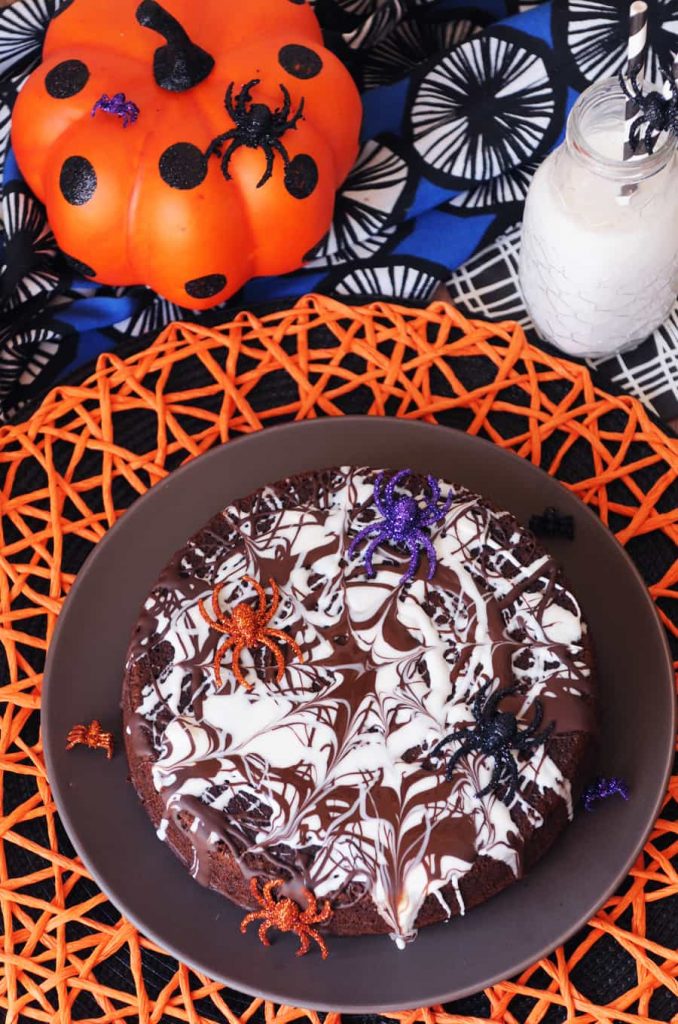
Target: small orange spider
x,y
91,736
287,916
246,627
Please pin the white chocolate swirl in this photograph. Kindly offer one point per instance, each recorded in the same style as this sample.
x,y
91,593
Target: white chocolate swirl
x,y
325,768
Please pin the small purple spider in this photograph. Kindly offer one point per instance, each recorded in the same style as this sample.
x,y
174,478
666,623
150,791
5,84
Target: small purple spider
x,y
603,788
497,734
118,105
403,524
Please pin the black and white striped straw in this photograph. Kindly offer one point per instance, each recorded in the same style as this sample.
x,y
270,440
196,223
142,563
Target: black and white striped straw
x,y
635,67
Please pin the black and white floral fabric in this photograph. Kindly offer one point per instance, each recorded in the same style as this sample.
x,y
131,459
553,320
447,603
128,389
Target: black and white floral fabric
x,y
462,100
486,287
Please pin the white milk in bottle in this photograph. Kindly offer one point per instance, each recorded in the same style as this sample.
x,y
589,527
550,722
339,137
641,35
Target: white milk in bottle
x,y
599,251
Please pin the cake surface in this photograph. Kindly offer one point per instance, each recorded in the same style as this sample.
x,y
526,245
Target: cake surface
x,y
330,772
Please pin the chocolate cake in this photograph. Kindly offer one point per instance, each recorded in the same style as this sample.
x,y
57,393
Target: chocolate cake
x,y
403,735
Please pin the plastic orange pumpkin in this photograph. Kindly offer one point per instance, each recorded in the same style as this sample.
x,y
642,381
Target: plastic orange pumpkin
x,y
188,146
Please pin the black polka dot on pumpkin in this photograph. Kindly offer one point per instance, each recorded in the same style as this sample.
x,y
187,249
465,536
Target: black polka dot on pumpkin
x,y
300,61
205,287
66,79
78,180
78,267
301,176
183,166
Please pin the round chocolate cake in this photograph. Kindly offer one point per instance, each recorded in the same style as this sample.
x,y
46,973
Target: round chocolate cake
x,y
376,687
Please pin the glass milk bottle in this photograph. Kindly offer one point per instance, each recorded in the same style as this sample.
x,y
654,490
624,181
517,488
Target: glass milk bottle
x,y
599,251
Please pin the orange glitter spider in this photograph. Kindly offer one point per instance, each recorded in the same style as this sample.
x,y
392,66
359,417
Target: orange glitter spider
x,y
287,916
246,627
91,736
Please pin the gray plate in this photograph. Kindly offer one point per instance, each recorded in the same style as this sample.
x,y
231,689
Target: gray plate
x,y
115,839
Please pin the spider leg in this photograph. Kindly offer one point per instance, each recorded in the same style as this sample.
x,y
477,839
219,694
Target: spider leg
x,y
447,506
214,148
269,888
263,933
270,156
377,494
275,600
458,734
311,916
321,942
495,778
206,615
360,537
294,120
221,651
425,542
630,87
533,741
308,914
464,749
244,97
277,654
215,602
226,159
277,145
392,484
413,548
284,112
651,137
371,548
256,915
479,701
533,727
235,664
509,763
228,102
634,133
259,590
304,941
434,487
495,699
287,640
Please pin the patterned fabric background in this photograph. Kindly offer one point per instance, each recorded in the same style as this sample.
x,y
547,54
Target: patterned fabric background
x,y
461,104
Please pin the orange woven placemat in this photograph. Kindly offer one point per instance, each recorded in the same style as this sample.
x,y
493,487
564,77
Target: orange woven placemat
x,y
69,472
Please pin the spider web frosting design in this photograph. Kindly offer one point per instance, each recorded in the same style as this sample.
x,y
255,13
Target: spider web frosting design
x,y
329,760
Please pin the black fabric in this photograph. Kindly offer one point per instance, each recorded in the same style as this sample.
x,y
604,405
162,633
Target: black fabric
x,y
603,973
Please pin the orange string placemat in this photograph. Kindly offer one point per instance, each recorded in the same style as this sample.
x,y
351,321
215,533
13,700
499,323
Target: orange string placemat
x,y
89,450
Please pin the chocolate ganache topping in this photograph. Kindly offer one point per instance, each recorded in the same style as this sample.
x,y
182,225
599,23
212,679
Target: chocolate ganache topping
x,y
323,776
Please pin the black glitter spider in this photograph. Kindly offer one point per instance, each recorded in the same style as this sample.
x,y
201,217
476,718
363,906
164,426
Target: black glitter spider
x,y
657,113
497,734
256,126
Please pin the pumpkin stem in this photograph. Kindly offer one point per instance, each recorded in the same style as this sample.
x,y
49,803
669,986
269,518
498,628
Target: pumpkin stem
x,y
180,64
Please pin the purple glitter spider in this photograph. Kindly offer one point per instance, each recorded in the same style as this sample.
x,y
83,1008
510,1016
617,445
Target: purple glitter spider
x,y
118,105
403,524
603,788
